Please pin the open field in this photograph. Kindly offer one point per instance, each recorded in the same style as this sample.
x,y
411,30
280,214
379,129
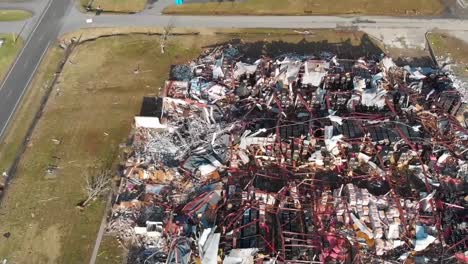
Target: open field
x,y
14,15
452,50
312,7
90,130
126,6
8,52
90,113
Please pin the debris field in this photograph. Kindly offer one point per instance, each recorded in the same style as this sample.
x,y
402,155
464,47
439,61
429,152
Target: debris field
x,y
296,159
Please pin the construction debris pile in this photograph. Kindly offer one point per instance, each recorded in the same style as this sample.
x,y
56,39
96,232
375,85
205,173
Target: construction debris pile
x,y
296,159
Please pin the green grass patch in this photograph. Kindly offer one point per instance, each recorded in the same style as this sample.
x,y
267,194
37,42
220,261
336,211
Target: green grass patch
x,y
8,52
452,49
312,7
14,15
125,6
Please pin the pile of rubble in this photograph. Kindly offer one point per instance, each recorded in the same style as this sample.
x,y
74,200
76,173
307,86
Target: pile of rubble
x,y
296,159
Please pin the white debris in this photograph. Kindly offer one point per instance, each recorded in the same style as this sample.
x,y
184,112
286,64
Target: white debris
x,y
423,239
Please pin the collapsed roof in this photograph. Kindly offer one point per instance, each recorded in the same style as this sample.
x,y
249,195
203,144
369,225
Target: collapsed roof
x,y
297,159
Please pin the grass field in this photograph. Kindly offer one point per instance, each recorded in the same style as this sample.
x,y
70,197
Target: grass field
x,y
8,52
14,15
455,50
110,251
90,113
312,7
129,6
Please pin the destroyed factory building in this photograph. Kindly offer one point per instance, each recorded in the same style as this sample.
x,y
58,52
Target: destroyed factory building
x,y
296,159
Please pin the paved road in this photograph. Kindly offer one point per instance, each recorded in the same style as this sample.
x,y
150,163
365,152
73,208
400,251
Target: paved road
x,y
390,30
20,75
76,21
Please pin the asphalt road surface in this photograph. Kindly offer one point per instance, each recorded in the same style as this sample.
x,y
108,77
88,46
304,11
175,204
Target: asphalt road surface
x,y
20,75
77,21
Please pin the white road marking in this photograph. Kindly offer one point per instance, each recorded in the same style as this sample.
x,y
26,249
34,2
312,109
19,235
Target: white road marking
x,y
26,44
24,90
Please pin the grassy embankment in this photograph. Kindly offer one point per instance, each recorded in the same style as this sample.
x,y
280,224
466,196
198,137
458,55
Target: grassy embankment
x,y
451,49
124,6
8,52
14,15
312,7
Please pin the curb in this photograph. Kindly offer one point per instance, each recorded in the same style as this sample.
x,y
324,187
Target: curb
x,y
431,51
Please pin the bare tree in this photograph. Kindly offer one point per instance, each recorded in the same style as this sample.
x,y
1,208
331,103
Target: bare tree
x,y
167,31
96,184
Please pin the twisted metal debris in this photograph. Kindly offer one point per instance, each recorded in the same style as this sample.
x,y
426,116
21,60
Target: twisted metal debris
x,y
298,159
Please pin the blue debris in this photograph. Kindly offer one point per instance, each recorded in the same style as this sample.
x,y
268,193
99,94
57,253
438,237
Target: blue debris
x,y
181,73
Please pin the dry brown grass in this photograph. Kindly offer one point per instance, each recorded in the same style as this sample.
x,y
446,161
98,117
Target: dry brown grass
x,y
125,6
312,7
